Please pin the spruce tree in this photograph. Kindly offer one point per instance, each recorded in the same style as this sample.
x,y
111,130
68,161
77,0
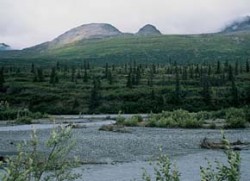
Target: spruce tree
x,y
230,73
206,90
218,70
95,95
235,95
177,87
2,80
32,68
247,66
85,76
129,81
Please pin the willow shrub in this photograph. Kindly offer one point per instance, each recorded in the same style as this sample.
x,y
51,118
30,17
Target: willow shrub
x,y
32,165
165,171
178,118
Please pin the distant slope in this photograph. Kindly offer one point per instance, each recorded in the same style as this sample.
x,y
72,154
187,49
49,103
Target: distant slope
x,y
143,49
4,47
242,24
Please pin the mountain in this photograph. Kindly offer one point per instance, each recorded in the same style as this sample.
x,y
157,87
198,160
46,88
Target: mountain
x,y
148,30
242,24
3,47
101,43
86,31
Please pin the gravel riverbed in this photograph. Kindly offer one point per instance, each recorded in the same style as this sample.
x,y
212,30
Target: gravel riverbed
x,y
120,156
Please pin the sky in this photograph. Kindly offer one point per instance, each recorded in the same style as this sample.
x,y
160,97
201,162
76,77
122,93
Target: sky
x,y
25,23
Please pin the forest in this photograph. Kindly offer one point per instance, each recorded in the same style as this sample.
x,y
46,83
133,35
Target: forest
x,y
85,88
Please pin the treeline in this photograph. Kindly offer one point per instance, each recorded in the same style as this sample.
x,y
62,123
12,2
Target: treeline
x,y
131,87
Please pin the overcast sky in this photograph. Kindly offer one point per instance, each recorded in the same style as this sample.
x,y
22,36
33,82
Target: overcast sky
x,y
25,23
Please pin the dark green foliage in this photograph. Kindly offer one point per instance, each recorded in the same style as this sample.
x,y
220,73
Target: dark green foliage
x,y
235,94
144,88
40,76
95,95
235,118
206,90
2,80
53,76
24,120
247,66
178,118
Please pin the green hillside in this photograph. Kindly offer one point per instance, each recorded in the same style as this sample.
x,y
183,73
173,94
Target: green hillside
x,y
143,49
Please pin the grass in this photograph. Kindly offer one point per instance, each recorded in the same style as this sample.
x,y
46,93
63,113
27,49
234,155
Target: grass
x,y
149,49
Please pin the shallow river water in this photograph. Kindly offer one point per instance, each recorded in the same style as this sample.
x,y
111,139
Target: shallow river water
x,y
121,156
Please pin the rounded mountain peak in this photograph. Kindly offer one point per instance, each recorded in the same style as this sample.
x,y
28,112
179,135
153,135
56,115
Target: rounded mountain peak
x,y
148,30
87,31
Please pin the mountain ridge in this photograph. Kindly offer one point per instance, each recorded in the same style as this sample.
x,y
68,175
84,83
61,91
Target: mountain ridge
x,y
4,47
241,24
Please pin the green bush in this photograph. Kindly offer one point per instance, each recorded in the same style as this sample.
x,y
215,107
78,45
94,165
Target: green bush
x,y
120,119
24,120
229,172
31,164
165,171
235,118
178,118
247,113
133,121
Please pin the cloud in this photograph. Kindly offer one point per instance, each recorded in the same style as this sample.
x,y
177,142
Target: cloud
x,y
26,23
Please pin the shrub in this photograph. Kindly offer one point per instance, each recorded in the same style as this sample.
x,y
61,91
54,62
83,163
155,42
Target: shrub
x,y
120,120
133,121
24,120
30,164
247,113
163,170
178,118
235,118
223,172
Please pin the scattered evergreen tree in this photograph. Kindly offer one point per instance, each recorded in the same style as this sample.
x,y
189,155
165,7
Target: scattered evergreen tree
x,y
53,77
247,66
40,76
106,70
184,74
73,71
110,77
218,70
236,68
177,87
206,91
129,81
2,80
95,95
191,72
235,95
230,73
85,76
32,68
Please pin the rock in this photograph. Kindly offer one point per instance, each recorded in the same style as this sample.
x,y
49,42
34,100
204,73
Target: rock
x,y
86,31
238,145
114,128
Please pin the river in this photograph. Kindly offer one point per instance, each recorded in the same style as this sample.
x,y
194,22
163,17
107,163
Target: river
x,y
121,156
